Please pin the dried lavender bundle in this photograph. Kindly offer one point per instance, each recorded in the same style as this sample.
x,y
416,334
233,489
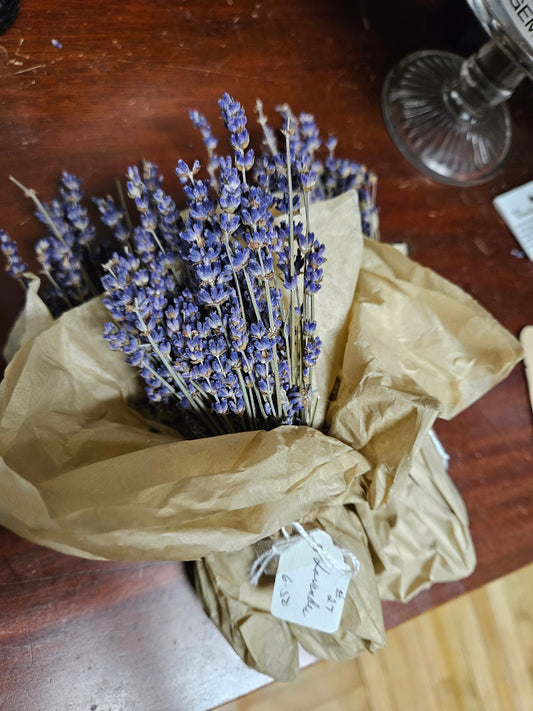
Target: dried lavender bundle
x,y
215,306
68,254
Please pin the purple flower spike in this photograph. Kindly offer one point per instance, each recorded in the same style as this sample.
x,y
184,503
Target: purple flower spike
x,y
15,267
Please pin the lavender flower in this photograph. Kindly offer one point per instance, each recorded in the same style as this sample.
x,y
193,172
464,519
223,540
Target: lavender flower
x,y
209,336
228,351
15,267
113,217
235,121
210,142
215,306
65,252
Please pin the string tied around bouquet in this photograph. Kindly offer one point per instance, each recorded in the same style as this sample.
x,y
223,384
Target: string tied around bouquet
x,y
262,561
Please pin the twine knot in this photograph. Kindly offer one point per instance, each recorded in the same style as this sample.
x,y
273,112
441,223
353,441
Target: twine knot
x,y
262,561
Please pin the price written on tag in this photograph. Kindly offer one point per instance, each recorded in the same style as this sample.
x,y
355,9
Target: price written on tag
x,y
306,590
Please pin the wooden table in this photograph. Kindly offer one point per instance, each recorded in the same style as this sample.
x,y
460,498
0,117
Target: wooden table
x,y
91,88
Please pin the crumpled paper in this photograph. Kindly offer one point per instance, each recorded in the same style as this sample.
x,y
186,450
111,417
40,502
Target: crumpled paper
x,y
270,645
32,320
85,473
418,347
421,535
82,472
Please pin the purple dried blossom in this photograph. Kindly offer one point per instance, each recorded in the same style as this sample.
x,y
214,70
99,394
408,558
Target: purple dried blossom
x,y
69,254
210,142
235,121
15,266
113,217
198,304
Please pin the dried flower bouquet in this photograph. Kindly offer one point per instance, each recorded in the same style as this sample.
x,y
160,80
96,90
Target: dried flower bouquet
x,y
278,387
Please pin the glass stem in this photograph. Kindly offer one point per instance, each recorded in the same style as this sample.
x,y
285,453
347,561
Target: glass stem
x,y
486,79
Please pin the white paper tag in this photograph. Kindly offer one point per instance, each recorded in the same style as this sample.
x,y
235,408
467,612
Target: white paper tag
x,y
526,339
306,590
516,209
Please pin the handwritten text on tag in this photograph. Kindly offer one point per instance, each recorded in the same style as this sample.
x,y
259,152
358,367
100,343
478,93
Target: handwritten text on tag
x,y
306,590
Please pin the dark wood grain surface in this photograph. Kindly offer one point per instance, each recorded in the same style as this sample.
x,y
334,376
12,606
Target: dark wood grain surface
x,y
82,635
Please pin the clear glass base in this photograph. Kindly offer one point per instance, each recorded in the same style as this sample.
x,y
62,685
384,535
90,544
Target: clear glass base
x,y
433,130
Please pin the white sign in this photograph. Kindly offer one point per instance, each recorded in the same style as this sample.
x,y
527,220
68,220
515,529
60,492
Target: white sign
x,y
516,208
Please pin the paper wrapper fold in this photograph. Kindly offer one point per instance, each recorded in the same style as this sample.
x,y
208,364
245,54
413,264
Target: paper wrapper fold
x,y
32,320
83,472
421,535
270,645
417,347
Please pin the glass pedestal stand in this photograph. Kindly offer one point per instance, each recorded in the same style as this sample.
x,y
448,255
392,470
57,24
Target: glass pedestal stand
x,y
448,115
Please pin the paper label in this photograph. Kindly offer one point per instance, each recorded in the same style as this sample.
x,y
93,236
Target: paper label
x,y
516,208
521,13
306,590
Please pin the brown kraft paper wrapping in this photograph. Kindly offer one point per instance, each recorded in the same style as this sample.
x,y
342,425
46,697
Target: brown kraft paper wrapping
x,y
270,645
83,472
421,535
